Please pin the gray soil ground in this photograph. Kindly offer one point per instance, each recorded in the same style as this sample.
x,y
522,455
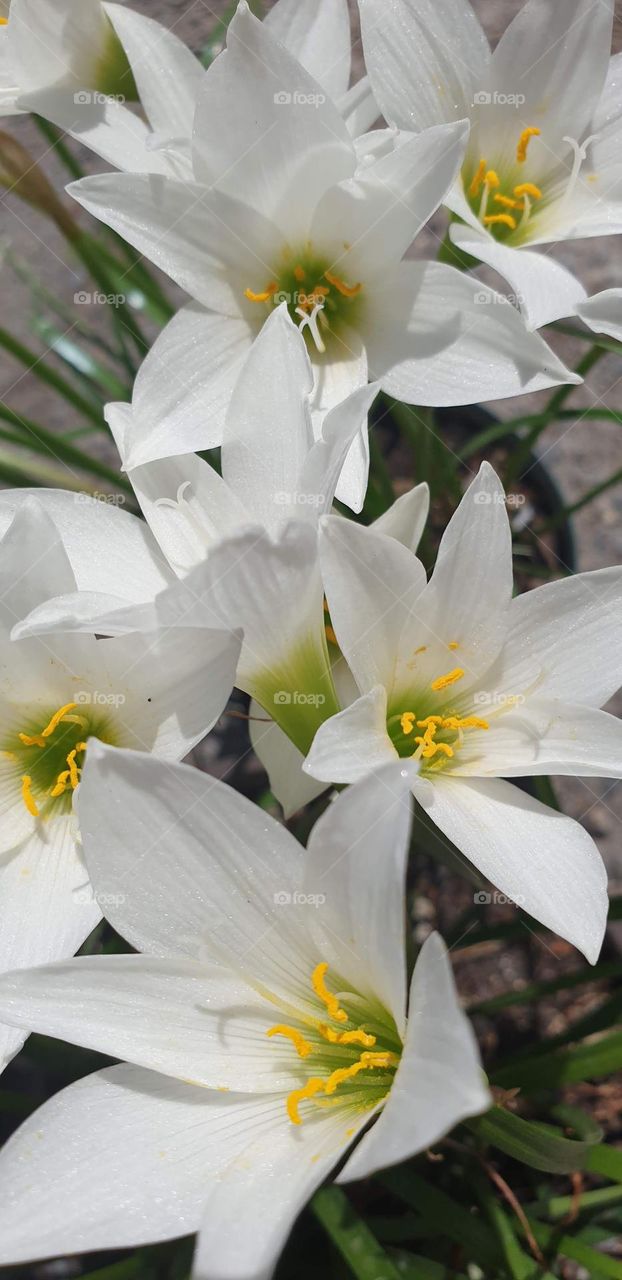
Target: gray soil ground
x,y
580,453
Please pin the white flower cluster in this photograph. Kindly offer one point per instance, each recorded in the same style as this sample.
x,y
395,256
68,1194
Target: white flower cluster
x,y
266,1018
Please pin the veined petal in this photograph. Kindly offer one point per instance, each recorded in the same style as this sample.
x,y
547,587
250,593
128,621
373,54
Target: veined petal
x,y
167,74
603,313
284,138
57,40
356,859
542,860
546,736
184,385
440,1080
338,372
437,337
47,908
406,518
318,35
372,583
208,243
425,59
544,290
353,743
124,1157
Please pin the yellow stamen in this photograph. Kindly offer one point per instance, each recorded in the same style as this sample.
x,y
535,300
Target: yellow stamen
x,y
422,649
28,797
423,724
60,786
348,290
528,189
313,1086
265,296
74,776
56,719
478,179
521,151
302,1046
347,1037
36,740
444,748
507,203
300,274
444,682
4,22
495,219
492,179
453,644
407,721
332,1004
469,722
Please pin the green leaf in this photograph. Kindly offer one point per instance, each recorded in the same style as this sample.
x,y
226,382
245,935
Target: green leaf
x,y
541,1146
590,1061
444,1216
352,1237
607,1161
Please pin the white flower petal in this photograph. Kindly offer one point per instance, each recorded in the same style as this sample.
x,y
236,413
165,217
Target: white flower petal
x,y
318,35
209,244
168,76
544,290
47,910
353,743
372,583
542,860
282,761
184,385
359,107
440,1080
338,463
9,88
338,372
105,126
124,1157
406,518
55,41
607,120
284,138
425,59
546,736
356,860
603,313
438,337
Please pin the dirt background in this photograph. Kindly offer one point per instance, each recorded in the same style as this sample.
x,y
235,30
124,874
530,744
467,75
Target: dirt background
x,y
579,453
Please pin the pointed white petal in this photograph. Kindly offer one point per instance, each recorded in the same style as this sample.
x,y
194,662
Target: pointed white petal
x,y
607,121
338,463
209,244
167,74
542,860
283,763
337,374
183,388
356,859
544,290
353,743
425,59
284,136
371,583
406,519
47,908
318,35
546,736
9,88
440,1080
603,313
124,1157
438,337
105,126
359,107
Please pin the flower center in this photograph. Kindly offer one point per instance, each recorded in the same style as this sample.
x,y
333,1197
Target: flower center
x,y
357,1059
504,207
433,739
49,758
318,299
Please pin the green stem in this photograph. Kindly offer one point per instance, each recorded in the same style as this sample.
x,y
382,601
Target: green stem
x,y
594,492
72,457
551,411
352,1237
55,139
35,364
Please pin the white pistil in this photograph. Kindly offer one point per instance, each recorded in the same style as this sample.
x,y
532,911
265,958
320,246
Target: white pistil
x,y
580,152
311,322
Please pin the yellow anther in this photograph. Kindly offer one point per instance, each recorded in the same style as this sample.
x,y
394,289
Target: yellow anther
x,y
345,1073
468,722
478,179
500,219
492,179
300,273
348,1037
80,746
407,722
265,296
326,996
4,22
313,1086
443,682
422,649
453,644
59,715
523,142
423,724
508,203
528,189
302,1046
74,775
347,290
36,740
444,748
384,1060
60,786
28,797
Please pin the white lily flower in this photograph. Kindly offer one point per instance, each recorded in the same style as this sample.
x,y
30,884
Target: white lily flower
x,y
543,164
602,313
284,206
265,1024
479,687
245,544
159,694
